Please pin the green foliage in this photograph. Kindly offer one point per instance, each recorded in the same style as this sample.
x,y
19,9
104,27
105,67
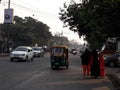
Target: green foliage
x,y
96,19
28,31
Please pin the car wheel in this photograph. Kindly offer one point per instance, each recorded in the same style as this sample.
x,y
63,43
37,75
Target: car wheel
x,y
52,67
26,59
11,60
32,58
39,56
67,65
111,64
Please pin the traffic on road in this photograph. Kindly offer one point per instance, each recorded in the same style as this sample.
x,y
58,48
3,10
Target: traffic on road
x,y
38,75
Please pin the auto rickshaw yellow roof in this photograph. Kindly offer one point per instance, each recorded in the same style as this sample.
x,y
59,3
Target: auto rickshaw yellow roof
x,y
62,46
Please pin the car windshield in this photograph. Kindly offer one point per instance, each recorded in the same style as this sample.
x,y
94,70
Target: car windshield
x,y
58,50
21,49
36,49
115,54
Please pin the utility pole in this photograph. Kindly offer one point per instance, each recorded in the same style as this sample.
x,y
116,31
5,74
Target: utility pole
x,y
8,19
9,4
8,30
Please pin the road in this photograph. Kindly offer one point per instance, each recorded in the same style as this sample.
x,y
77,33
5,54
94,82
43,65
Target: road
x,y
37,75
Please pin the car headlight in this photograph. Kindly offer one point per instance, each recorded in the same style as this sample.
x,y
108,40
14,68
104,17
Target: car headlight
x,y
106,58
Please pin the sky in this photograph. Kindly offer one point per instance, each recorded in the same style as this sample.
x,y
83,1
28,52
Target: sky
x,y
45,11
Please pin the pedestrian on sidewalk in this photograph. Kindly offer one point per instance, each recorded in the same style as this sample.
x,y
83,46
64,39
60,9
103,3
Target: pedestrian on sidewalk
x,y
85,59
102,66
94,63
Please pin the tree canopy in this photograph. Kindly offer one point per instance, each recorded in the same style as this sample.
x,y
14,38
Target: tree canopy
x,y
28,31
95,19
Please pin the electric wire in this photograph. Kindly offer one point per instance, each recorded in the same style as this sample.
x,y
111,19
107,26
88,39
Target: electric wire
x,y
34,10
38,12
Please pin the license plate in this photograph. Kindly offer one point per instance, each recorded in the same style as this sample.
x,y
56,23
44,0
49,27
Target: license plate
x,y
16,55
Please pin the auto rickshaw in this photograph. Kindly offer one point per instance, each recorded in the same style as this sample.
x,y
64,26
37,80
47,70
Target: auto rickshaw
x,y
59,56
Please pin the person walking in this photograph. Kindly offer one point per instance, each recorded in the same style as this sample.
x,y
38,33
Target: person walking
x,y
102,66
85,58
94,63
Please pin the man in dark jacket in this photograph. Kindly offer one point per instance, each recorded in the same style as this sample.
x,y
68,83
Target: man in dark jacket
x,y
85,58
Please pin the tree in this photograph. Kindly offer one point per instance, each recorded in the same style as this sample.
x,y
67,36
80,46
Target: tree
x,y
28,31
95,19
58,38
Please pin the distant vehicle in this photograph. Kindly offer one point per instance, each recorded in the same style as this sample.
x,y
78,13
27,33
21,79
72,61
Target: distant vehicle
x,y
112,60
22,53
74,51
38,51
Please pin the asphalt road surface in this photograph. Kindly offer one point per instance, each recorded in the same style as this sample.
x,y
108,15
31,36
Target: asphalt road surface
x,y
38,75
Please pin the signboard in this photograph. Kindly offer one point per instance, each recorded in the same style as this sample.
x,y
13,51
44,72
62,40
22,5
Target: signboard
x,y
8,16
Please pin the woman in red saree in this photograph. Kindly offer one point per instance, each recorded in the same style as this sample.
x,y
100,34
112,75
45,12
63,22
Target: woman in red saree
x,y
102,66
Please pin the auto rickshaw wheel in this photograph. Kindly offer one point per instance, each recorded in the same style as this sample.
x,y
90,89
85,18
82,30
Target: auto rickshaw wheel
x,y
67,65
53,67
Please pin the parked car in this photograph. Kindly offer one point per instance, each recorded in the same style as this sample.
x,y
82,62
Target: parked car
x,y
38,51
22,53
112,60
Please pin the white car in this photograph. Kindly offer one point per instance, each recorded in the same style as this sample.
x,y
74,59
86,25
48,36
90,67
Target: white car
x,y
22,53
38,51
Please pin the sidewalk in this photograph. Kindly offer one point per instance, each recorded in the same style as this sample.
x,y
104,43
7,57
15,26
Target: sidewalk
x,y
114,76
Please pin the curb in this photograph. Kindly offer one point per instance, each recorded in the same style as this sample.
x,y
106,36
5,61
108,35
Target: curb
x,y
115,78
